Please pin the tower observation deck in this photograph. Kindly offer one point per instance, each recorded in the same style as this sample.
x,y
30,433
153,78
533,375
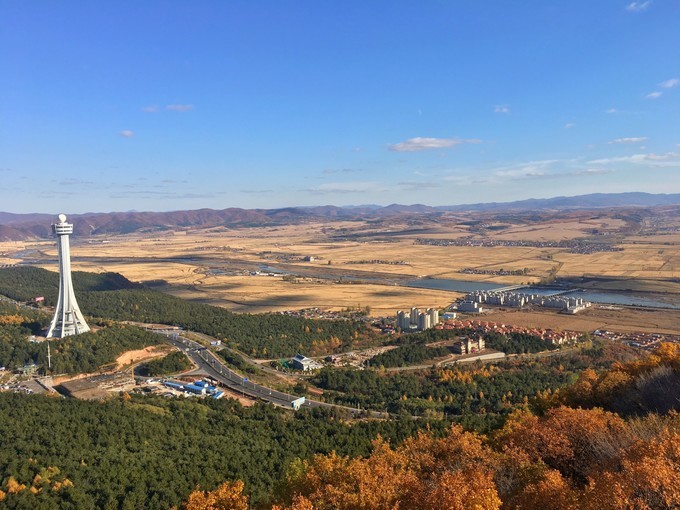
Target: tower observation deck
x,y
67,320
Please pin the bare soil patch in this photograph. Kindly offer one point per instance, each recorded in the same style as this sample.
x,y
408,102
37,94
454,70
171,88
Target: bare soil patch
x,y
140,355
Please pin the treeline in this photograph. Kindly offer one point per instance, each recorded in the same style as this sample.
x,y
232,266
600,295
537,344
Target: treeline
x,y
25,283
169,364
151,452
261,335
408,355
513,343
517,343
111,296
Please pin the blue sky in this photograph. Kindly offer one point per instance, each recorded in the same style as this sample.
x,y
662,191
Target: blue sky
x,y
168,105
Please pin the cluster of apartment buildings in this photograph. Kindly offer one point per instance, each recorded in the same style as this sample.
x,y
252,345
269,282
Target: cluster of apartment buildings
x,y
481,327
415,320
566,304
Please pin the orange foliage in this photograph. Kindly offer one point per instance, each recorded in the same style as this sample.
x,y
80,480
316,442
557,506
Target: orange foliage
x,y
228,496
574,441
607,388
551,491
649,478
12,320
465,376
425,473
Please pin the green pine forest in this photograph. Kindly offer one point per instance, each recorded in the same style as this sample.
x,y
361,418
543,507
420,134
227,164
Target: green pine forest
x,y
136,451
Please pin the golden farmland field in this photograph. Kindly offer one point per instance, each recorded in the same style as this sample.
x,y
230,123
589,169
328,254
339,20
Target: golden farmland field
x,y
341,264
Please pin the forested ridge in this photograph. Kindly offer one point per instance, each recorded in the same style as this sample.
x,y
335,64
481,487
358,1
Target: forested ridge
x,y
547,455
150,452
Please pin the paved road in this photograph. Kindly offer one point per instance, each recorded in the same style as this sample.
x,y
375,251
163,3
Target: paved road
x,y
214,367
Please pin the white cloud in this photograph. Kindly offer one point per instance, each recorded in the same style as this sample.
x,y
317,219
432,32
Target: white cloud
x,y
611,110
422,144
180,107
127,133
638,6
150,109
501,108
630,139
669,84
569,125
654,95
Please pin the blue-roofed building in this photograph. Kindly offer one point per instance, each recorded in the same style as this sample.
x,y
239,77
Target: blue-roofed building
x,y
194,388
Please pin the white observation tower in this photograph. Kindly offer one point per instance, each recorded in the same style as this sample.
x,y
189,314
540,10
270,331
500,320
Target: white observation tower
x,y
68,319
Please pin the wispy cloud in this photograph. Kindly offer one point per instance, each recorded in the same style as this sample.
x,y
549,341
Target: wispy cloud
x,y
569,125
418,185
638,6
630,139
150,109
669,84
127,133
654,95
611,110
332,171
164,195
423,144
180,107
592,171
673,157
501,108
346,187
256,191
523,172
74,182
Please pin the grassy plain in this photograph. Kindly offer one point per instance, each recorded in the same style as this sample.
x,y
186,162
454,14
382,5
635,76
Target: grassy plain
x,y
344,264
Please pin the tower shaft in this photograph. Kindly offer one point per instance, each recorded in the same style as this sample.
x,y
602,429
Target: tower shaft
x,y
68,319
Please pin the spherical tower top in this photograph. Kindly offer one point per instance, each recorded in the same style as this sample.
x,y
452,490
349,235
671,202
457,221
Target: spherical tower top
x,y
62,218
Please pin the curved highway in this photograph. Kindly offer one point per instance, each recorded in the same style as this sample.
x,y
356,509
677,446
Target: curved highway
x,y
215,368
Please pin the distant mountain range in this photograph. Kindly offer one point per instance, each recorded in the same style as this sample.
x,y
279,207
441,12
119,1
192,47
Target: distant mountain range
x,y
15,227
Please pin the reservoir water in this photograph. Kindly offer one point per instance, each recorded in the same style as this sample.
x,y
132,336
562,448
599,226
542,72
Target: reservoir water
x,y
605,297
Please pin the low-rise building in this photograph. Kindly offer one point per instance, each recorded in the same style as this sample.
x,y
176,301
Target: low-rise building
x,y
470,307
468,346
301,362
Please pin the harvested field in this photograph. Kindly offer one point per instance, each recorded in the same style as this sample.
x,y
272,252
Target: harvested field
x,y
624,320
341,264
